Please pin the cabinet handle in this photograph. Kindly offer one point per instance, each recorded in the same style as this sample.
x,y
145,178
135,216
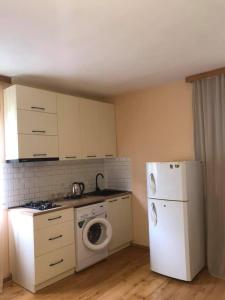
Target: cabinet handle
x,y
109,155
91,155
126,197
39,154
56,263
55,237
113,200
39,131
51,219
68,157
37,107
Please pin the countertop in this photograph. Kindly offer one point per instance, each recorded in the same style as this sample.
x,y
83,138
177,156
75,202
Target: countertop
x,y
68,203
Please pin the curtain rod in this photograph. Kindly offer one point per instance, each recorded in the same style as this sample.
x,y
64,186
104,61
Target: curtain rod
x,y
6,79
206,74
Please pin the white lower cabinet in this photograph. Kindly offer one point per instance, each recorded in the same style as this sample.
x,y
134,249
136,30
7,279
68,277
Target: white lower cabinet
x,y
53,237
54,263
119,214
42,247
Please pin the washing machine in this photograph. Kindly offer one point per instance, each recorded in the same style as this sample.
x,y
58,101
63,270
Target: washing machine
x,y
93,232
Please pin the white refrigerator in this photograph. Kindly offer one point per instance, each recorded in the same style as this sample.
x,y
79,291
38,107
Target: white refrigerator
x,y
176,218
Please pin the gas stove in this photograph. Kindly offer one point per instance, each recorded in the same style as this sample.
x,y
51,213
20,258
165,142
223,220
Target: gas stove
x,y
41,205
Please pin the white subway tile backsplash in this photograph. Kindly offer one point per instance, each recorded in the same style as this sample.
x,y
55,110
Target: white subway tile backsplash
x,y
118,173
23,182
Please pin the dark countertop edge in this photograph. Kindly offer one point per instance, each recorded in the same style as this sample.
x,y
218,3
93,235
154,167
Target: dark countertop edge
x,y
65,206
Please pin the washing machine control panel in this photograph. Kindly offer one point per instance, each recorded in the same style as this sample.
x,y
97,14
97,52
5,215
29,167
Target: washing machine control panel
x,y
86,212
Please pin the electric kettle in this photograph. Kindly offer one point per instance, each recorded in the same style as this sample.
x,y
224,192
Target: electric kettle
x,y
77,189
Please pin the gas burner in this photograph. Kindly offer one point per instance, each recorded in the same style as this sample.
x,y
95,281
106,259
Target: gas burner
x,y
41,205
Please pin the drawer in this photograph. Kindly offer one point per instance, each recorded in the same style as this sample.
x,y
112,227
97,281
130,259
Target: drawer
x,y
35,99
53,218
37,146
30,122
54,263
54,237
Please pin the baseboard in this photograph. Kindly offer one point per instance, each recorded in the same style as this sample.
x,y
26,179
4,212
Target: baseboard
x,y
120,248
140,246
8,278
52,280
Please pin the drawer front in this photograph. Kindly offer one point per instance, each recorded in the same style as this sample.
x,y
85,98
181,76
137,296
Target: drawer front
x,y
54,263
53,218
30,122
34,99
37,146
54,237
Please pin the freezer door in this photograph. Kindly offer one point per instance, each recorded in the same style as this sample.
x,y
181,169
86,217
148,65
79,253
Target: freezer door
x,y
167,181
168,238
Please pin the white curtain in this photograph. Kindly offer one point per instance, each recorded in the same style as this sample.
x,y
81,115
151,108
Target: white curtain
x,y
3,212
3,229
209,129
1,247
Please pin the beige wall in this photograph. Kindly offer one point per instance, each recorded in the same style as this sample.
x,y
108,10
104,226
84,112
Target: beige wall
x,y
153,125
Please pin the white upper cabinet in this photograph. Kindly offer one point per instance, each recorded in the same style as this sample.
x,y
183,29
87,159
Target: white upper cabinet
x,y
45,125
34,99
37,147
98,134
30,122
90,129
31,130
107,129
68,127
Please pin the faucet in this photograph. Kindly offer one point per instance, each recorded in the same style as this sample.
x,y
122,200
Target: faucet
x,y
96,181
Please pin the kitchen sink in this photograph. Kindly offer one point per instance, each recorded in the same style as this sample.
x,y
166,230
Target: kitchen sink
x,y
105,192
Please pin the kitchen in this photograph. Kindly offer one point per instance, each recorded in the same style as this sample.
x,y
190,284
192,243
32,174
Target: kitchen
x,y
45,176
87,136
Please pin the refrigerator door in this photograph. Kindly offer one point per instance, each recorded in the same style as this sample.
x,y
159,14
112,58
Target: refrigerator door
x,y
168,238
167,181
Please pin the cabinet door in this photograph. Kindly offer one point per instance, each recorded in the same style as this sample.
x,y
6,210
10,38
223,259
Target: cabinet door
x,y
125,215
90,128
120,216
68,127
53,237
32,122
54,263
37,146
107,130
168,238
114,220
35,99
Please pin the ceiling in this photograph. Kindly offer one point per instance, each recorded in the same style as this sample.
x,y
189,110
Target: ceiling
x,y
105,48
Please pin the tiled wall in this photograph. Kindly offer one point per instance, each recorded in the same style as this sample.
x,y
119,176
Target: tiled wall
x,y
23,182
118,173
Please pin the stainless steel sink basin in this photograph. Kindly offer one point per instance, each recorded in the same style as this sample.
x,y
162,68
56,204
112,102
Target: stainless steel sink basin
x,y
105,192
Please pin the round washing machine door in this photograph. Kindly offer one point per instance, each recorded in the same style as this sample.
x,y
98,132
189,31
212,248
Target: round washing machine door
x,y
97,234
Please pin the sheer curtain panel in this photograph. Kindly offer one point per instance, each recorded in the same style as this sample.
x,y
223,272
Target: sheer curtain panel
x,y
209,132
1,247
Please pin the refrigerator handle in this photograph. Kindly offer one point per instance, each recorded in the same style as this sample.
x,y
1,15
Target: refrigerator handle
x,y
152,183
154,213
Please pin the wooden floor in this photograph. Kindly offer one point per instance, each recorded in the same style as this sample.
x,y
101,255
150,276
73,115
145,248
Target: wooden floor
x,y
125,275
